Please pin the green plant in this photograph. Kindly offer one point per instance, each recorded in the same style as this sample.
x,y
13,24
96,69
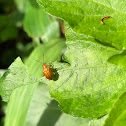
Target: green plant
x,y
91,77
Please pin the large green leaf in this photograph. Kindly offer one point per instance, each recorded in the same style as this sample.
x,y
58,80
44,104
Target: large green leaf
x,y
88,85
85,16
38,24
117,116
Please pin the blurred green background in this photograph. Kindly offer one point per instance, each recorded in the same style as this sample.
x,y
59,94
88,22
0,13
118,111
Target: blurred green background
x,y
23,26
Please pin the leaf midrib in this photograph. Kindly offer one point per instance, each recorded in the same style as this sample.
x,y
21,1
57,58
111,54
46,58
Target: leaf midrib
x,y
88,67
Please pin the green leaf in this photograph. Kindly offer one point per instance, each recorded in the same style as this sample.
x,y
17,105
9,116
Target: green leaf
x,y
38,24
117,116
88,85
84,16
16,76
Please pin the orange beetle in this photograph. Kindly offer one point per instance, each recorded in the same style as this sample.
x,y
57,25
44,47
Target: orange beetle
x,y
47,72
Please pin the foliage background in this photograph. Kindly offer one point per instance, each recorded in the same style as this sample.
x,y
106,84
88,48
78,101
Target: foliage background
x,y
88,57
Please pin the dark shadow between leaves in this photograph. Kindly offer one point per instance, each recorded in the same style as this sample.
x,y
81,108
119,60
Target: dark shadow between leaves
x,y
104,43
34,3
50,115
102,116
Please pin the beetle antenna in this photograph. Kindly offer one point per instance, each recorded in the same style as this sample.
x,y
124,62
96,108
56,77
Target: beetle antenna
x,y
37,61
43,57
